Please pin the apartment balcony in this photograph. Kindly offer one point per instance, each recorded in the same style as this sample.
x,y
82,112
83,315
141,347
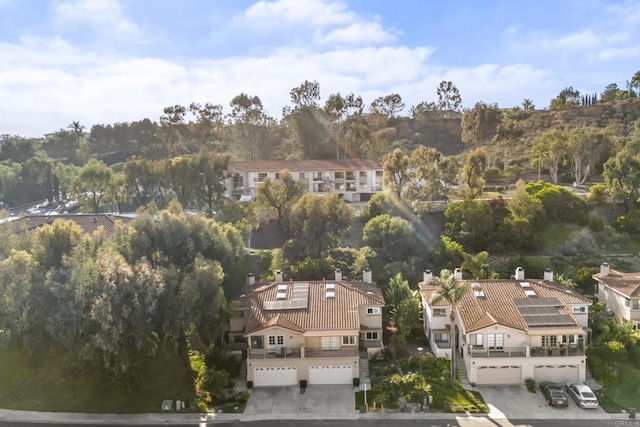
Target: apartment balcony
x,y
571,350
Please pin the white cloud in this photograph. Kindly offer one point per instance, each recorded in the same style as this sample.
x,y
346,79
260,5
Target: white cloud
x,y
315,13
103,15
619,53
628,13
357,33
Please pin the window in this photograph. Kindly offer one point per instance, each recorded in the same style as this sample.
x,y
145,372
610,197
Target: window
x,y
339,185
373,310
568,339
339,175
351,186
441,337
371,336
329,343
495,341
239,339
635,304
476,340
262,176
238,181
275,342
350,340
257,342
549,340
581,309
277,175
363,174
627,302
439,312
351,176
302,175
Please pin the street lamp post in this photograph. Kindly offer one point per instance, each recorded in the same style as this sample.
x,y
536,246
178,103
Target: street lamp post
x,y
420,350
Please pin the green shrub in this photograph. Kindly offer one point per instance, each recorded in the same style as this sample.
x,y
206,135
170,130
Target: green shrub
x,y
249,384
531,385
629,223
596,223
493,174
303,383
597,194
356,382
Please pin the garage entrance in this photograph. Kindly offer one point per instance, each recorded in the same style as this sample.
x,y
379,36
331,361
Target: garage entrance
x,y
499,375
556,374
277,376
331,374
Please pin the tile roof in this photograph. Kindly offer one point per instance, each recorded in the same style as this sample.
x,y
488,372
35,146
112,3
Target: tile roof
x,y
88,222
627,283
305,165
321,314
498,305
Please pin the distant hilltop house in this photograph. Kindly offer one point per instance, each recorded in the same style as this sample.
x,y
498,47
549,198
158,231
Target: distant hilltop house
x,y
355,180
319,331
508,330
620,292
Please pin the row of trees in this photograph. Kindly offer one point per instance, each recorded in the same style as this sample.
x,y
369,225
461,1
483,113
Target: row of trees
x,y
113,302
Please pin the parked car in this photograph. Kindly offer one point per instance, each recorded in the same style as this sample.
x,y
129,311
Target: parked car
x,y
582,395
553,393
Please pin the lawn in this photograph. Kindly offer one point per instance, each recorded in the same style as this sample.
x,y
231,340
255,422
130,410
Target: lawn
x,y
626,395
49,382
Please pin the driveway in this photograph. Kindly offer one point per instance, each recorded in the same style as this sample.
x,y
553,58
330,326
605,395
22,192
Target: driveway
x,y
515,402
326,401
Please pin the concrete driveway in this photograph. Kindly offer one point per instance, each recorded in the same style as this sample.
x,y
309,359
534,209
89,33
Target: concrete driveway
x,y
516,402
326,401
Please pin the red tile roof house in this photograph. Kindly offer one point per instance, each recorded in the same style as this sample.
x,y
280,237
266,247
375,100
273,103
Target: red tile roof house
x,y
307,330
620,292
355,179
509,330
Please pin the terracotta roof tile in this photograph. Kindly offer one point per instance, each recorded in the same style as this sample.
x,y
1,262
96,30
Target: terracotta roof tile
x,y
627,283
88,222
321,314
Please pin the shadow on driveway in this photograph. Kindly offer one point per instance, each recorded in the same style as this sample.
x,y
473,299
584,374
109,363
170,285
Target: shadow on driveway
x,y
336,400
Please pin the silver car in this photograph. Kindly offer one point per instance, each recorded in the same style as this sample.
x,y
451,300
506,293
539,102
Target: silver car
x,y
582,395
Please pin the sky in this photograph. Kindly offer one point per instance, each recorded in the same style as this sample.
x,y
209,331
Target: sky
x,y
109,61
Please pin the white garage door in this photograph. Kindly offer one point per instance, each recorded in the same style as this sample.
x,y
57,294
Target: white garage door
x,y
557,374
286,375
499,375
331,375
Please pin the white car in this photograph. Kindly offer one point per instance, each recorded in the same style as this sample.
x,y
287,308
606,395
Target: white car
x,y
582,395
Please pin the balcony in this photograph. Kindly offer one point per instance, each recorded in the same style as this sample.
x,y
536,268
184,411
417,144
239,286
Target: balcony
x,y
522,352
297,353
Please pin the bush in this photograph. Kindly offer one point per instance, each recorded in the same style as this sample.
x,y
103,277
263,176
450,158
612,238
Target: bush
x,y
303,383
629,223
356,382
492,174
531,385
249,384
596,223
597,194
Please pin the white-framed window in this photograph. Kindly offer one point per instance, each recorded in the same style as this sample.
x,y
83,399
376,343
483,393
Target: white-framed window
x,y
635,304
371,336
330,343
262,176
476,340
495,341
549,340
350,176
339,175
439,312
580,310
349,340
276,340
277,175
302,175
627,302
441,336
373,310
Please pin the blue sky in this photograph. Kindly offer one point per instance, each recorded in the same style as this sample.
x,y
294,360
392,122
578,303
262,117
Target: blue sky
x,y
107,61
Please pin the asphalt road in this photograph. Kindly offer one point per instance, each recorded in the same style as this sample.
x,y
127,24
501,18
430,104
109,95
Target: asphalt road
x,y
424,422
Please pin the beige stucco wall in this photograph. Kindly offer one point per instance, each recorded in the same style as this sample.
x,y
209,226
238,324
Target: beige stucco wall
x,y
371,321
303,365
291,338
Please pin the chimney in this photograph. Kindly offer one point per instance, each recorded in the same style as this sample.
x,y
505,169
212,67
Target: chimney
x,y
338,274
548,274
279,276
519,273
604,269
367,276
251,279
457,273
427,276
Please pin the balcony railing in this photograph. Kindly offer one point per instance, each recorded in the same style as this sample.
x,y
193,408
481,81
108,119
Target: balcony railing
x,y
296,353
522,352
555,351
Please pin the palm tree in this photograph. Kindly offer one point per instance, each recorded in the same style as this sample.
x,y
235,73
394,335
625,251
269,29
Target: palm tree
x,y
476,264
527,105
450,291
76,128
